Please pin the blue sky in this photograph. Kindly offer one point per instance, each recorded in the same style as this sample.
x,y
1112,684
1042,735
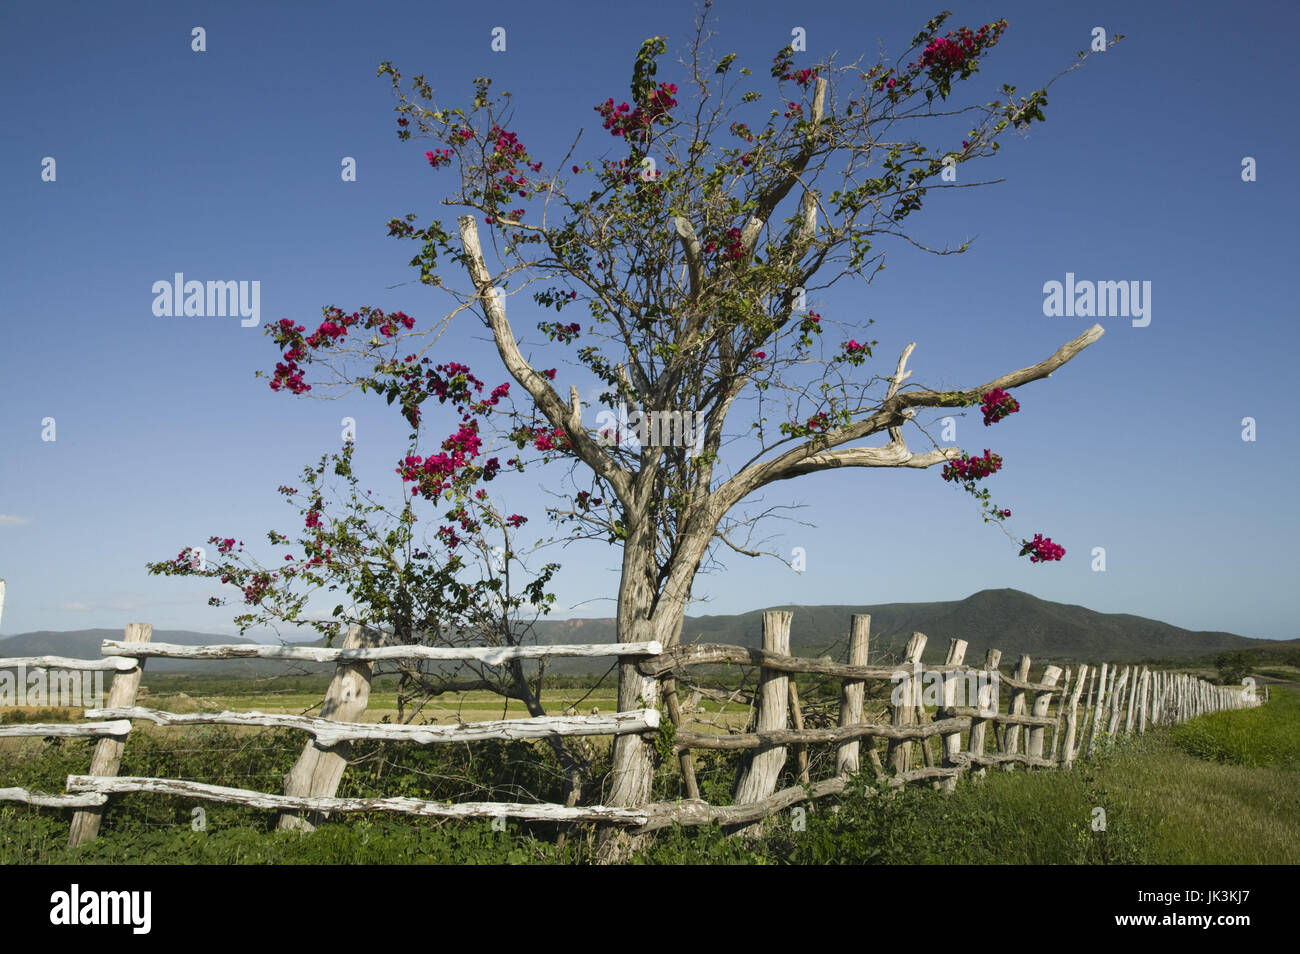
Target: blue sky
x,y
224,165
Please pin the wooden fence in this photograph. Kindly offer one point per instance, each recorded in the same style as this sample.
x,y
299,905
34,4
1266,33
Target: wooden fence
x,y
1044,724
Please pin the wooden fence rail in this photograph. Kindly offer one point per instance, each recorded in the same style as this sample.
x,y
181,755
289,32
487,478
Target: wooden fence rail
x,y
329,733
488,655
1066,714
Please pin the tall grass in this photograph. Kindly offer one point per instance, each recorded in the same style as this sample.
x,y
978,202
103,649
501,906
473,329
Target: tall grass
x,y
1267,736
1222,789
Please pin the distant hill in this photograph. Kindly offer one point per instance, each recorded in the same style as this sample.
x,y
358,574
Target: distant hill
x,y
1006,619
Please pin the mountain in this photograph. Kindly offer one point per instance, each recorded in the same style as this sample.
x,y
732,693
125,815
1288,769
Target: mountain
x,y
1006,619
1010,620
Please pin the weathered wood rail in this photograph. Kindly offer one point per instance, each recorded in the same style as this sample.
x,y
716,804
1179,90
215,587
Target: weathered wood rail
x,y
329,733
1044,723
311,785
408,806
489,655
1063,715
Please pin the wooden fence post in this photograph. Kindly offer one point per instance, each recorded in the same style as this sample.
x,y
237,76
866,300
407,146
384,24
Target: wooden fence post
x,y
1130,715
1141,700
1098,708
853,696
1087,710
800,749
905,694
988,701
108,752
1117,703
1011,735
758,779
1042,702
1072,721
952,740
1057,730
685,761
318,770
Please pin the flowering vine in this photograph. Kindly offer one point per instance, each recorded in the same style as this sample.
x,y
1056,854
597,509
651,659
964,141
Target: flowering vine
x,y
966,470
996,405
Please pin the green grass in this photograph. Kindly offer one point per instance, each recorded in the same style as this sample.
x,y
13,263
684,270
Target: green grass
x,y
1222,789
1162,805
33,839
1267,736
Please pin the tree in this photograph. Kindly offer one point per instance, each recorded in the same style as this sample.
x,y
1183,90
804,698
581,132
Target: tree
x,y
1233,667
462,591
693,262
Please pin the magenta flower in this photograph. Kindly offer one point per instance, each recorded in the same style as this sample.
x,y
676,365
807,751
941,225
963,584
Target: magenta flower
x,y
972,468
996,405
1042,549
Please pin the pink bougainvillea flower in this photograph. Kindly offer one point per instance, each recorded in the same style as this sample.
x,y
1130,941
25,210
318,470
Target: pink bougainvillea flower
x,y
1042,549
996,405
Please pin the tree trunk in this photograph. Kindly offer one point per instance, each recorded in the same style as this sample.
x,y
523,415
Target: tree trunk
x,y
633,762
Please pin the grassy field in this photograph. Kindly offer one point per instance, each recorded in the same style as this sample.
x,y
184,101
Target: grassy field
x,y
1223,789
186,694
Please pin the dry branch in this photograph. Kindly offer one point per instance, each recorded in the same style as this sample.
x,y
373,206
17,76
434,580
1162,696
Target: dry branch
x,y
406,806
90,800
703,654
487,655
329,733
115,664
775,737
66,730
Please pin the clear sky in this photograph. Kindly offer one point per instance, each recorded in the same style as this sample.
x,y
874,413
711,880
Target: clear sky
x,y
225,165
